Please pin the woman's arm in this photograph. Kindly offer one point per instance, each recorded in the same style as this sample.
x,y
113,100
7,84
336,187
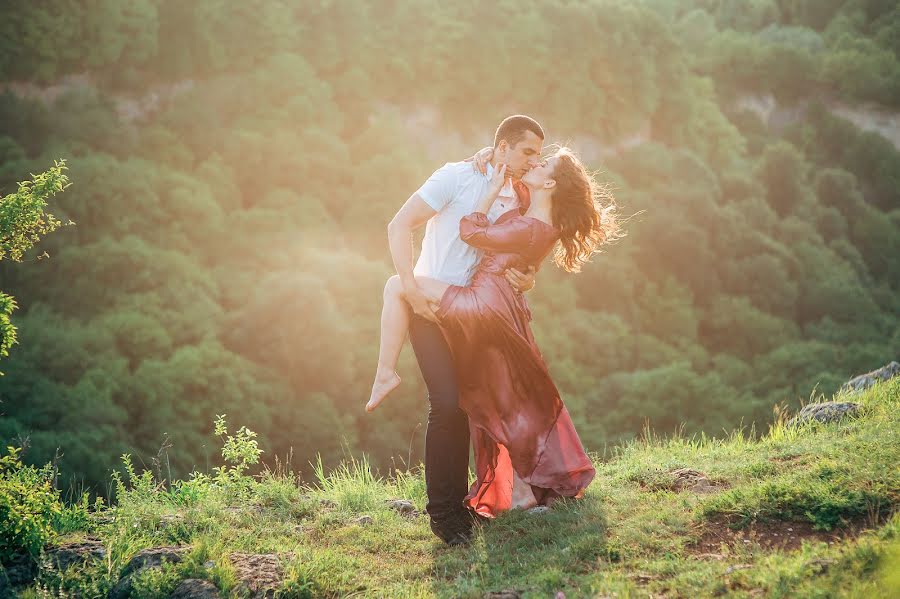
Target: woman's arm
x,y
512,235
493,190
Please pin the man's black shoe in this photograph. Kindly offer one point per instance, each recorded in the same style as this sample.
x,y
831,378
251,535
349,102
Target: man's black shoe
x,y
474,517
453,529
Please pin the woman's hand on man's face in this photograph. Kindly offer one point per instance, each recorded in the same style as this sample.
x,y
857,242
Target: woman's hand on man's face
x,y
498,178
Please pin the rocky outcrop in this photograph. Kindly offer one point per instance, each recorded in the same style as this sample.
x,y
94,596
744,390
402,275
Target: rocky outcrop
x,y
77,552
258,574
147,558
19,571
867,116
864,381
830,411
195,588
22,569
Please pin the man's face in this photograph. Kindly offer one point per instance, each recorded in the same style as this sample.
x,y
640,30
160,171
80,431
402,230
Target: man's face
x,y
522,157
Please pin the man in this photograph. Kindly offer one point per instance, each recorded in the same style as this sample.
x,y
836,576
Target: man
x,y
448,195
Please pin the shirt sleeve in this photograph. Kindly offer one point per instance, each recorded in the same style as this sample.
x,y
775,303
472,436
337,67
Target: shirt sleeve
x,y
440,187
512,235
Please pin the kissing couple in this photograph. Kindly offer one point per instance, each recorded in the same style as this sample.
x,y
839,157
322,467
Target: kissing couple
x,y
490,221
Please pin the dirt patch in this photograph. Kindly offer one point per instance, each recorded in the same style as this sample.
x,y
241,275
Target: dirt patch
x,y
786,536
687,479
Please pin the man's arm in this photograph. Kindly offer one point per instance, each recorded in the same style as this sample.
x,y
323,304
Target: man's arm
x,y
412,215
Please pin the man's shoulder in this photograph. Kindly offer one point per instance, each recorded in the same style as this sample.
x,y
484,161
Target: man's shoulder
x,y
464,173
449,183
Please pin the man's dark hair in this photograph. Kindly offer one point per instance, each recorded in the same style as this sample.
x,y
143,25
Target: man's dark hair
x,y
513,129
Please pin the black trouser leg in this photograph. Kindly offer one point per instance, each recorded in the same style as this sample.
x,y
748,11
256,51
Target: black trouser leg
x,y
447,435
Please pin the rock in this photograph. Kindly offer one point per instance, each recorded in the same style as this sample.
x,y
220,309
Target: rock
x,y
364,520
20,571
736,567
194,588
820,565
687,479
829,411
403,506
864,381
258,574
147,558
79,552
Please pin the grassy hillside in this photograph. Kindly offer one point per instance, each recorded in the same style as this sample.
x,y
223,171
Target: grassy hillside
x,y
804,511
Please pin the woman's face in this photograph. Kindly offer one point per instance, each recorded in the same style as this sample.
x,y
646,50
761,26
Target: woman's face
x,y
541,176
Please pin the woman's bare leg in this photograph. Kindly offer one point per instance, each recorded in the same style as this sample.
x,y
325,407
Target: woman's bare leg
x,y
394,327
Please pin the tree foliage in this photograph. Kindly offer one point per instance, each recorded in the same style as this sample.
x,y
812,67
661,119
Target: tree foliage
x,y
237,165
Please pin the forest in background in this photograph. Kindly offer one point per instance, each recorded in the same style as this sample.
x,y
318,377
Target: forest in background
x,y
234,166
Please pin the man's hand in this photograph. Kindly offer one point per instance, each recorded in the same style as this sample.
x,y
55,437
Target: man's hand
x,y
523,281
420,303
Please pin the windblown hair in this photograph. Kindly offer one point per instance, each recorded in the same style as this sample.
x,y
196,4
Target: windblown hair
x,y
584,211
513,129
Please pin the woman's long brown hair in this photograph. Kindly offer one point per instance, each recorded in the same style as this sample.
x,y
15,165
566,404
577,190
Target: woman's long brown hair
x,y
584,211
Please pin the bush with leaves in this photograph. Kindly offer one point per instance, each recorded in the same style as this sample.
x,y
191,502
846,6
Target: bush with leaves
x,y
22,222
29,505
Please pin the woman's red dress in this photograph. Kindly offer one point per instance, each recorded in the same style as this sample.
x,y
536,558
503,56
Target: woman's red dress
x,y
516,416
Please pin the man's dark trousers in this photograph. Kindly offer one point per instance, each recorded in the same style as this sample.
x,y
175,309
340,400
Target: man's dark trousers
x,y
447,435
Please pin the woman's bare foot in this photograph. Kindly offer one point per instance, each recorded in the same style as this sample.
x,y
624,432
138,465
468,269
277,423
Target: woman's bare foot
x,y
385,382
522,495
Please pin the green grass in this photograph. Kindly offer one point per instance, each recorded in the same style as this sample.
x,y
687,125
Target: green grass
x,y
630,536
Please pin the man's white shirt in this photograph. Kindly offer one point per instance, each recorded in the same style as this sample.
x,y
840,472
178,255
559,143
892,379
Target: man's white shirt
x,y
454,191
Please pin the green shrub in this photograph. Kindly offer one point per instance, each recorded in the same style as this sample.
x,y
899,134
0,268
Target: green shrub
x,y
29,506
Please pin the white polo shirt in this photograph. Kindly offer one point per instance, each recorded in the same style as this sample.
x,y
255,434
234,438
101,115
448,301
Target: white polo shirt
x,y
454,191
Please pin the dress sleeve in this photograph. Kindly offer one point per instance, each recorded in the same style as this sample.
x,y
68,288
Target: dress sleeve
x,y
512,235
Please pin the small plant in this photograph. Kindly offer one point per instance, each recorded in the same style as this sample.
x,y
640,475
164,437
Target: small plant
x,y
240,452
29,506
77,516
143,486
153,583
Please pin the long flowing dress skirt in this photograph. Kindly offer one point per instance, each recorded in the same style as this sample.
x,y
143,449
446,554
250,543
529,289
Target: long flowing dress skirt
x,y
517,419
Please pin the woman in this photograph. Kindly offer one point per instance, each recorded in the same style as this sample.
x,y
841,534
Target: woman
x,y
527,452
